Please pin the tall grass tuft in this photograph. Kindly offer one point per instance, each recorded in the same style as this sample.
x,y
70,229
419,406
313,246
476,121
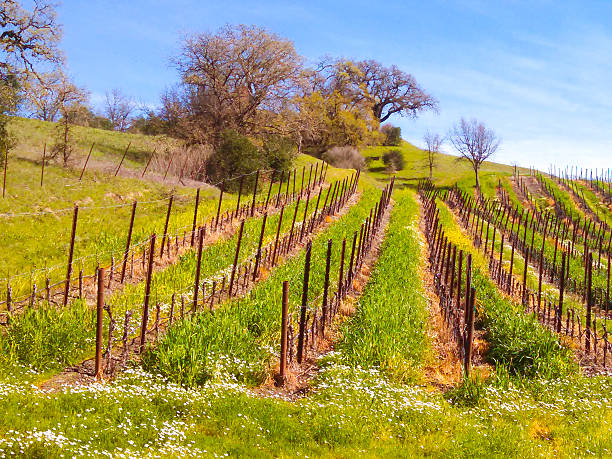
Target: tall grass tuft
x,y
46,337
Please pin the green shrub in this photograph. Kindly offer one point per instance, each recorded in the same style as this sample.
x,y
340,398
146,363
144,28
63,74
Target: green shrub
x,y
393,135
46,337
394,160
280,152
236,155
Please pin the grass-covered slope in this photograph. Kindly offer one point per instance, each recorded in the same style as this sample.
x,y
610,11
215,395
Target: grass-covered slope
x,y
36,220
354,409
447,171
388,330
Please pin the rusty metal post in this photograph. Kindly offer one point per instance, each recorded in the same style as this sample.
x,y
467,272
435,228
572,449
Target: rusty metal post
x,y
326,198
561,291
258,256
297,205
99,321
469,331
326,286
283,343
468,286
589,298
163,243
501,258
452,278
341,272
86,161
270,189
239,196
147,165
459,266
493,242
71,254
255,193
195,216
231,285
349,274
300,350
168,168
608,283
280,187
128,242
219,206
147,296
122,158
280,222
540,271
305,214
196,284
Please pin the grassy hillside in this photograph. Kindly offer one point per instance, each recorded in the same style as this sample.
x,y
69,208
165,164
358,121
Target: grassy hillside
x,y
383,380
36,220
32,134
448,169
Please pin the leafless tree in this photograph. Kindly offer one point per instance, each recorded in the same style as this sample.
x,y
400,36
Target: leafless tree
x,y
232,79
388,90
118,108
433,142
71,101
27,38
474,142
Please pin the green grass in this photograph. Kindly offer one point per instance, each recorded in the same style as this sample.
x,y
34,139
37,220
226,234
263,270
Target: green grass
x,y
516,340
46,339
36,246
351,411
32,134
378,335
244,332
449,170
367,397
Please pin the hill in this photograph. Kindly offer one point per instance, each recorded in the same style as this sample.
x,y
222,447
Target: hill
x,y
330,314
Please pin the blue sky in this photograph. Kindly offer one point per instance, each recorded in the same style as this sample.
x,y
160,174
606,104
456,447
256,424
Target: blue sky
x,y
539,72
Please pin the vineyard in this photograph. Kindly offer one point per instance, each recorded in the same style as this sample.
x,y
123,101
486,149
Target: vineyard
x,y
315,311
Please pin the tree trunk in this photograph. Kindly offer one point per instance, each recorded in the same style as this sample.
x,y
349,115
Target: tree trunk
x,y
65,146
430,172
477,179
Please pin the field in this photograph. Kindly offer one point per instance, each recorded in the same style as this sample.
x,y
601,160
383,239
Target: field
x,y
419,317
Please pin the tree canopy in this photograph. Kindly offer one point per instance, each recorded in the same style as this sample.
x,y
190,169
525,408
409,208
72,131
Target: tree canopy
x,y
28,38
230,80
387,90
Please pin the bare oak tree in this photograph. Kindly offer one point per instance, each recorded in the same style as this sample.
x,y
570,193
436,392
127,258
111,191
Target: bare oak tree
x,y
232,79
71,100
433,142
388,90
118,108
474,142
